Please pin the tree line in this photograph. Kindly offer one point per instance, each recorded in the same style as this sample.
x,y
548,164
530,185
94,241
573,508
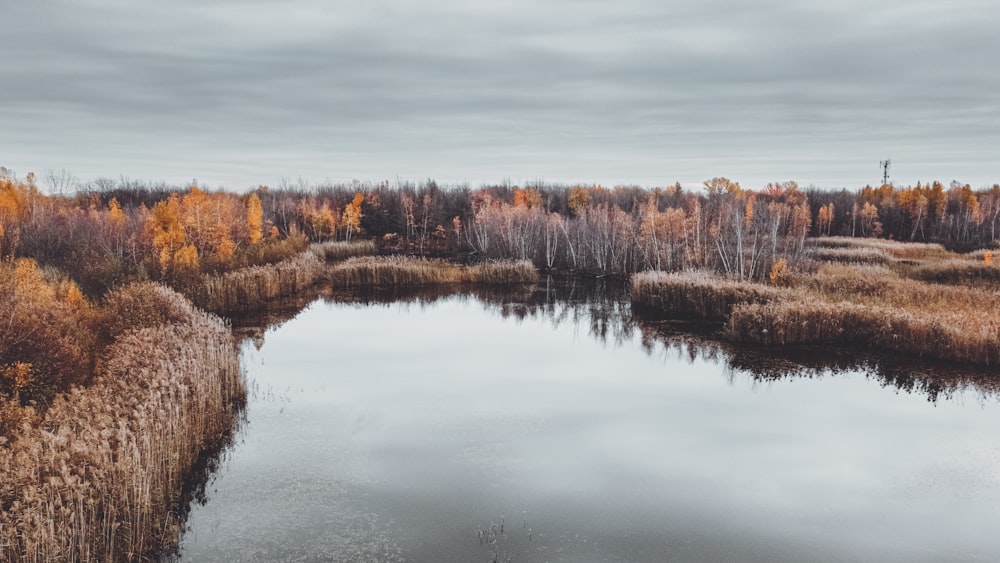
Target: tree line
x,y
109,233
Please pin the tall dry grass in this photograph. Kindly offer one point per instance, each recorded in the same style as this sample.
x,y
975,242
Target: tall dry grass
x,y
101,476
342,250
398,270
957,271
871,307
895,249
956,337
696,294
250,288
849,255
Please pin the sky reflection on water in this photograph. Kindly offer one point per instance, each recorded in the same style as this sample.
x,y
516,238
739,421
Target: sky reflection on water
x,y
384,431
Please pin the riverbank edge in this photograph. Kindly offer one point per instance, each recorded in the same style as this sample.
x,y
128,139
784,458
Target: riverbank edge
x,y
109,471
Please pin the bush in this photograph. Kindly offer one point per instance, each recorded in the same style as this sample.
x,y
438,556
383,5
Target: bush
x,y
141,305
46,338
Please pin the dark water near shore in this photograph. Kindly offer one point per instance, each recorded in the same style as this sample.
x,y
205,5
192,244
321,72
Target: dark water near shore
x,y
410,426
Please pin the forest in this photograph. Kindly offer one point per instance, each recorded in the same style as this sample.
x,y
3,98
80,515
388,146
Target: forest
x,y
93,280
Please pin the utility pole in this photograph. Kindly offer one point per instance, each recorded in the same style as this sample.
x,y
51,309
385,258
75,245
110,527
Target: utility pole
x,y
885,170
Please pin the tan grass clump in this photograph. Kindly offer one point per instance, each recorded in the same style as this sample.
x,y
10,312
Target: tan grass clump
x,y
956,338
250,288
957,271
100,478
397,271
895,249
849,255
342,250
871,307
696,294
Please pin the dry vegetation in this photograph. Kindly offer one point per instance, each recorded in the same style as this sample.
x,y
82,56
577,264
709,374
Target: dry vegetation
x,y
100,474
889,248
397,270
342,250
249,288
868,306
696,294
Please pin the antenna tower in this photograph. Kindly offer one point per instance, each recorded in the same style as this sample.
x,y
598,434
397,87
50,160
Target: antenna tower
x,y
885,170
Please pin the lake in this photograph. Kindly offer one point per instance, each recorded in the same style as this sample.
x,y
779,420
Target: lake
x,y
553,425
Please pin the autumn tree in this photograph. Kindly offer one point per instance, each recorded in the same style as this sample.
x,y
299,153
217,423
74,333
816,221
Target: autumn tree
x,y
352,215
170,242
255,219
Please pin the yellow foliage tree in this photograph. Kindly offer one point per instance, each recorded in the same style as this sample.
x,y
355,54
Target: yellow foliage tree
x,y
115,214
255,219
578,200
168,234
352,215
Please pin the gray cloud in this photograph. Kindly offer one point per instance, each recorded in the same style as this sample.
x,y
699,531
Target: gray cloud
x,y
636,91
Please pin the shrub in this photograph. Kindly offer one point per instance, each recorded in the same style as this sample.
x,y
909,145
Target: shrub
x,y
46,339
141,305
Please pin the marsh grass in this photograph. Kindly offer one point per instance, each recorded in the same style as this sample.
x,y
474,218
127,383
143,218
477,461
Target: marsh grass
x,y
891,248
958,271
392,271
859,306
101,477
955,337
696,294
849,255
250,288
342,250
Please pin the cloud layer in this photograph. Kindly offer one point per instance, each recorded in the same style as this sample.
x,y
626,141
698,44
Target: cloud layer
x,y
635,91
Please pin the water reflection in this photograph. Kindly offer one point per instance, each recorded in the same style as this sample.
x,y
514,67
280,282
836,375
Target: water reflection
x,y
602,306
552,424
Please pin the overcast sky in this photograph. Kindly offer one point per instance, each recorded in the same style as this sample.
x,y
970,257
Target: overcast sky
x,y
239,93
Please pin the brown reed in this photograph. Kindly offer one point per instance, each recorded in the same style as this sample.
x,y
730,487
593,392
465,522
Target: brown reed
x,y
100,477
390,271
957,271
696,294
849,255
893,248
250,288
872,307
342,250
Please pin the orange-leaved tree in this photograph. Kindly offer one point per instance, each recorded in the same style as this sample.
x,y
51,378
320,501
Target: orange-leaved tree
x,y
255,219
352,215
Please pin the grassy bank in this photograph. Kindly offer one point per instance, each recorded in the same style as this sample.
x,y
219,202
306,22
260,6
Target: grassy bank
x,y
100,475
857,306
398,270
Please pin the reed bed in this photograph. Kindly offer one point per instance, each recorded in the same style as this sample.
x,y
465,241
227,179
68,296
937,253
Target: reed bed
x,y
957,271
866,306
696,294
956,338
895,249
102,476
342,250
849,255
249,288
391,271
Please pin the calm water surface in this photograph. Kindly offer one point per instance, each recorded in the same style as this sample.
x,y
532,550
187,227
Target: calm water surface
x,y
412,430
